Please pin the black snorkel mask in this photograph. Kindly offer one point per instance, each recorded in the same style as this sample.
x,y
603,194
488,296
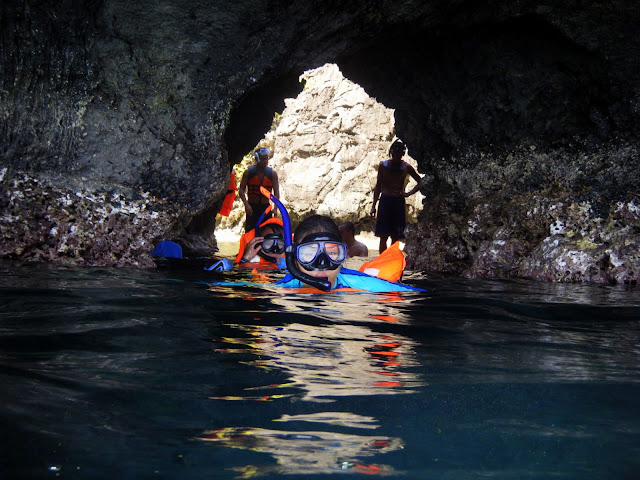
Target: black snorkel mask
x,y
272,243
321,251
319,283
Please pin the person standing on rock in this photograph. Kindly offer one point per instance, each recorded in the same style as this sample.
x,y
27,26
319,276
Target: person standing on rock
x,y
354,247
389,189
254,177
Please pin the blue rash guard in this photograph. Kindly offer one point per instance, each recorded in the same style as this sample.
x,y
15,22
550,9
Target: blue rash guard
x,y
348,278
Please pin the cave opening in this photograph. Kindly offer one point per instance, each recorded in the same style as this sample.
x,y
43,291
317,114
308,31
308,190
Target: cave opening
x,y
251,118
327,142
479,87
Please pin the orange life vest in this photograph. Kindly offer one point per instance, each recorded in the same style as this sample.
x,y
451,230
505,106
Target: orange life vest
x,y
253,185
389,265
227,203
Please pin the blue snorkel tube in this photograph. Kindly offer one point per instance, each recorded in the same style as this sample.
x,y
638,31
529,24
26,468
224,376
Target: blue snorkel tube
x,y
261,217
319,283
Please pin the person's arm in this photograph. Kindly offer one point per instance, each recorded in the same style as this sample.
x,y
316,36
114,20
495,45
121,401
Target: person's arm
x,y
241,192
417,178
376,191
276,184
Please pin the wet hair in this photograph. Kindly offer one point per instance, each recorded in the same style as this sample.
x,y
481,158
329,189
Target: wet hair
x,y
314,224
275,228
349,226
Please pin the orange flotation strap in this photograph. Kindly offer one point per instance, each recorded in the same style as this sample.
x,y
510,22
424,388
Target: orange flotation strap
x,y
227,203
389,265
246,238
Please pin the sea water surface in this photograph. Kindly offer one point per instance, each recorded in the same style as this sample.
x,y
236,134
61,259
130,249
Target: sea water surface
x,y
163,374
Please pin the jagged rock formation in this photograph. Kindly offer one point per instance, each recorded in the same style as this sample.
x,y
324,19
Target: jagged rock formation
x,y
118,122
326,147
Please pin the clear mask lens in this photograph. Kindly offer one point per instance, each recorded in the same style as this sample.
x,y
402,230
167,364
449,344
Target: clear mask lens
x,y
273,243
321,255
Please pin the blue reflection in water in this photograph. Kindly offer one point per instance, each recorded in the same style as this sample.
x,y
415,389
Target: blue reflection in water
x,y
153,374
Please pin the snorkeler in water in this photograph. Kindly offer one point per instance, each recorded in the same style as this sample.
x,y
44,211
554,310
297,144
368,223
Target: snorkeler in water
x,y
266,246
319,250
316,259
262,247
320,254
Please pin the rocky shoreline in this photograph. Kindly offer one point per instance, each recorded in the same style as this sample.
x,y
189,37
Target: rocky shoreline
x,y
119,124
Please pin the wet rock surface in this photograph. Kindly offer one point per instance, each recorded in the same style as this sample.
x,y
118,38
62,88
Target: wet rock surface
x,y
523,117
545,231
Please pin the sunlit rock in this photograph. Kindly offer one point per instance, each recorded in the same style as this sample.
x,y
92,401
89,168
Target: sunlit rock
x,y
326,147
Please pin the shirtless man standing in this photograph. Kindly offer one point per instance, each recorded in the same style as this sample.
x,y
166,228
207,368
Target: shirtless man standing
x,y
389,189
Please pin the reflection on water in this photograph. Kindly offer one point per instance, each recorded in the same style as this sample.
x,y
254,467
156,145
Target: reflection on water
x,y
162,374
339,357
334,418
333,360
307,452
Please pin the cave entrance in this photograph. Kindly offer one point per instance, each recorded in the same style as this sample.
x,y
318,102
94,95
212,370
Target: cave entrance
x,y
252,116
326,144
249,121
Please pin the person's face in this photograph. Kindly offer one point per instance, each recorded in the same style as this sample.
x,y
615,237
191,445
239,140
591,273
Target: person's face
x,y
330,275
263,160
267,231
397,154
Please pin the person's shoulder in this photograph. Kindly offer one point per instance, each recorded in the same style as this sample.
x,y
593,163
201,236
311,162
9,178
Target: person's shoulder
x,y
358,249
411,170
406,167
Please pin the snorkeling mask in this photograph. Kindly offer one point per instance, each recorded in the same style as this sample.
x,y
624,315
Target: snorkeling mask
x,y
273,243
320,251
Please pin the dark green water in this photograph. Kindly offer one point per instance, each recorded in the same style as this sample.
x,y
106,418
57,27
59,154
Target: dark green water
x,y
123,374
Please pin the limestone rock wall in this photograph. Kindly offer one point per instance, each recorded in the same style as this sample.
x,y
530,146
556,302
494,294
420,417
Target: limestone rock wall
x,y
326,146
